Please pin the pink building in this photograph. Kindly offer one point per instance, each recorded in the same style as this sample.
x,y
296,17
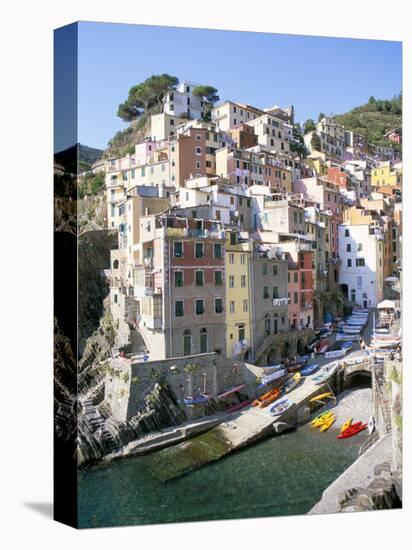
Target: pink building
x,y
326,196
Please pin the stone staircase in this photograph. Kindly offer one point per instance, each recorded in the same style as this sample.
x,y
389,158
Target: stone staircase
x,y
383,398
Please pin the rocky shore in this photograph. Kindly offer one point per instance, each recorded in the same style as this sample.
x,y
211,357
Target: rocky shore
x,y
365,485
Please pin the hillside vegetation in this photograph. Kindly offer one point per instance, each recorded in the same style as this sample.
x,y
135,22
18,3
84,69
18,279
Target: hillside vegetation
x,y
374,118
78,158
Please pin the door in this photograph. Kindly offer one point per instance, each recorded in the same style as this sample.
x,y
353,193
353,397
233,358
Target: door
x,y
203,341
187,343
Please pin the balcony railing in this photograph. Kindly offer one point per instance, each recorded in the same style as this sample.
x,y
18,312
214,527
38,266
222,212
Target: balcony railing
x,y
278,302
241,345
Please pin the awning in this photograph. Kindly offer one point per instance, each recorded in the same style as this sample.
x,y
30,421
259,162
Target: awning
x,y
386,304
230,391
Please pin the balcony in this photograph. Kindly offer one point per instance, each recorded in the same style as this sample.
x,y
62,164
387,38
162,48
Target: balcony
x,y
115,183
279,302
239,346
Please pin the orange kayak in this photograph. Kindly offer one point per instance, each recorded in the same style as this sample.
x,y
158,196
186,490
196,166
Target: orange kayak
x,y
267,398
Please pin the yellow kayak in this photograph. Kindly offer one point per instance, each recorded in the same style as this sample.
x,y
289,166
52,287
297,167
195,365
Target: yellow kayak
x,y
319,420
327,424
346,425
321,396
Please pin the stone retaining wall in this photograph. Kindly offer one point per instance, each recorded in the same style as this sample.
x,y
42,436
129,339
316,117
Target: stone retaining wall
x,y
128,383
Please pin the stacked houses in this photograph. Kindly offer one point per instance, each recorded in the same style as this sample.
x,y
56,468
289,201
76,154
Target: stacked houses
x,y
228,239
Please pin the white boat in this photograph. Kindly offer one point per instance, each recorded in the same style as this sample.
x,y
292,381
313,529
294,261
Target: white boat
x,y
335,353
351,330
325,373
348,337
384,343
274,376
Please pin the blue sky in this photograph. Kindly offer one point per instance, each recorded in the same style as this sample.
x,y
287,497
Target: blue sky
x,y
314,74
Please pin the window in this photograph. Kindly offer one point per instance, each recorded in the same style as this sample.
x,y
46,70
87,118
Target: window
x,y
359,282
198,165
296,277
231,281
232,306
243,258
245,306
275,293
264,268
178,278
179,308
198,150
359,247
199,250
200,306
199,278
360,262
178,250
267,325
187,342
231,258
243,281
348,248
265,292
115,298
275,270
218,305
295,298
133,173
349,262
218,278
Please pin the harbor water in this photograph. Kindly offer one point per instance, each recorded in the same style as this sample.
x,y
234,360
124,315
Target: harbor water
x,y
282,475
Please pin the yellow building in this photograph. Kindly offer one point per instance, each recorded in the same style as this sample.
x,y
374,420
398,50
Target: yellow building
x,y
385,174
238,295
317,162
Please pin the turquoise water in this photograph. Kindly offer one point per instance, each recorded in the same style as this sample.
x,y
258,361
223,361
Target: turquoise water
x,y
282,475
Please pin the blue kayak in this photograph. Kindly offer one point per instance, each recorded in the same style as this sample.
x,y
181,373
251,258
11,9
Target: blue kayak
x,y
310,369
346,345
196,400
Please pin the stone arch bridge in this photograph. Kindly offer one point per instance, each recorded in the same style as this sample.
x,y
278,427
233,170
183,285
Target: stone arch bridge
x,y
286,344
363,368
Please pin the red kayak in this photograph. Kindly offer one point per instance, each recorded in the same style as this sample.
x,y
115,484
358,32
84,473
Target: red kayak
x,y
352,430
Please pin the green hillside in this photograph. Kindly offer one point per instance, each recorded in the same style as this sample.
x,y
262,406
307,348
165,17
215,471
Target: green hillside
x,y
78,158
374,118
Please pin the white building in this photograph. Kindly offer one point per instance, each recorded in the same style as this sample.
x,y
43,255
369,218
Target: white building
x,y
361,271
182,102
273,132
162,126
332,138
228,115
